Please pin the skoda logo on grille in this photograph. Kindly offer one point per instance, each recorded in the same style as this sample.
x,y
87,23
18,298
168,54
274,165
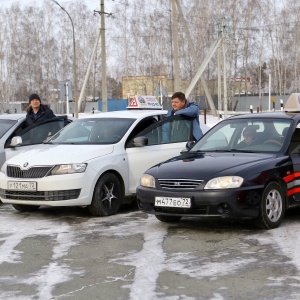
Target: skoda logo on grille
x,y
25,165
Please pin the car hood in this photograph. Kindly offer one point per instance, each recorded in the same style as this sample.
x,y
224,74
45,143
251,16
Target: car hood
x,y
208,165
46,154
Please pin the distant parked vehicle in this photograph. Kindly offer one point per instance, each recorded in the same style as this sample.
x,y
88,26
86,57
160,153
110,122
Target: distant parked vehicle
x,y
12,125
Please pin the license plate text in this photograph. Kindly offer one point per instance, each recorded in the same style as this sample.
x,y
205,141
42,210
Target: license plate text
x,y
173,202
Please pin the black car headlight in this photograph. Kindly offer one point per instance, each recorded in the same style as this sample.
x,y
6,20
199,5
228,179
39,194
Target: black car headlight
x,y
68,169
224,182
147,181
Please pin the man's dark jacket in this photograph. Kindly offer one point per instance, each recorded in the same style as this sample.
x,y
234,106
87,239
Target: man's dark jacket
x,y
43,114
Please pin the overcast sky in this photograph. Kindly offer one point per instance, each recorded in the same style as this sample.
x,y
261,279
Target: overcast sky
x,y
93,4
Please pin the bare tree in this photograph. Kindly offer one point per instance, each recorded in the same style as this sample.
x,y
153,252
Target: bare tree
x,y
36,44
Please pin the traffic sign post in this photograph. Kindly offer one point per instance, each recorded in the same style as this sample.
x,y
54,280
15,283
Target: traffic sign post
x,y
66,92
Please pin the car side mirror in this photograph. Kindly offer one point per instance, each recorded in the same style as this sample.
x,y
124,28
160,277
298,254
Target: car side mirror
x,y
47,139
189,145
140,141
16,141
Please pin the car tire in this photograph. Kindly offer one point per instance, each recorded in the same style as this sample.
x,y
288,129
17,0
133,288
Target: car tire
x,y
168,219
272,207
25,208
107,196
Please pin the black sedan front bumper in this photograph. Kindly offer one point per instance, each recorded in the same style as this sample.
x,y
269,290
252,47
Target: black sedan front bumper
x,y
234,203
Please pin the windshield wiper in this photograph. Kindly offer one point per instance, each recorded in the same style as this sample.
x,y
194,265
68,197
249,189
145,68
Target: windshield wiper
x,y
209,150
223,150
195,151
243,151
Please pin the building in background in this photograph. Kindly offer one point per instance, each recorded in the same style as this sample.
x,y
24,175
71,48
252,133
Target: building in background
x,y
147,85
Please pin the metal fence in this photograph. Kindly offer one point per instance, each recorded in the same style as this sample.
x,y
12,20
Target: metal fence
x,y
239,104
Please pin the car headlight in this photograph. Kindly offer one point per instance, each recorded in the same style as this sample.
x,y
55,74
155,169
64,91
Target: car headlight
x,y
225,182
68,169
147,181
3,168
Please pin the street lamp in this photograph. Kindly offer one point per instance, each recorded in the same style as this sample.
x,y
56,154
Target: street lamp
x,y
74,59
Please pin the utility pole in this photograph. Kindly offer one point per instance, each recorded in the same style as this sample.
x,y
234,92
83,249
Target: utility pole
x,y
259,88
200,67
103,59
74,61
269,91
94,79
88,70
175,44
224,72
219,60
221,30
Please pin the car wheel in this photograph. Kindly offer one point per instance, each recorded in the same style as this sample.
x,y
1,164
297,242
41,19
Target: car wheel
x,y
107,196
168,219
25,208
272,207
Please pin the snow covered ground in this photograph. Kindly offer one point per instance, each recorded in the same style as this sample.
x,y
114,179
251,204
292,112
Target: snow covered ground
x,y
39,259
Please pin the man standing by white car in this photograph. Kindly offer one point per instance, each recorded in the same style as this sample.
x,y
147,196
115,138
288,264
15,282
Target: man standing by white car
x,y
180,106
36,111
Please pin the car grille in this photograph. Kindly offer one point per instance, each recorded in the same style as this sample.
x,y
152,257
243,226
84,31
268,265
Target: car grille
x,y
179,184
40,196
34,172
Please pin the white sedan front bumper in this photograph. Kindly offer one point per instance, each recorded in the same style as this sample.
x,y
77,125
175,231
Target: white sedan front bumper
x,y
56,190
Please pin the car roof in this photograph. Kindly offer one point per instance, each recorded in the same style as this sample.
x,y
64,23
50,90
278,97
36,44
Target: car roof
x,y
268,115
12,116
17,117
133,114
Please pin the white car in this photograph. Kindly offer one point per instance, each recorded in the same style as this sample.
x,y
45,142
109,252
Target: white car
x,y
96,161
12,125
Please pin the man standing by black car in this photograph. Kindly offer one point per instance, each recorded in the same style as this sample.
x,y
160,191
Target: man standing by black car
x,y
37,112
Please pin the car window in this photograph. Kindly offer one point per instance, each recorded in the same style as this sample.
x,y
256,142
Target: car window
x,y
5,125
267,135
294,147
93,131
39,133
171,130
141,126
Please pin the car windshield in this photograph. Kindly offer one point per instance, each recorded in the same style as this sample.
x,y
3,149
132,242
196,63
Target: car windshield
x,y
5,125
245,135
93,131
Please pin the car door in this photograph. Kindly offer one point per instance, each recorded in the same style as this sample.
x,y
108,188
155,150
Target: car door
x,y
34,134
165,139
294,151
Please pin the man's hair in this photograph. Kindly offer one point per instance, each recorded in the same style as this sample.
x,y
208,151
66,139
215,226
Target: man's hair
x,y
179,95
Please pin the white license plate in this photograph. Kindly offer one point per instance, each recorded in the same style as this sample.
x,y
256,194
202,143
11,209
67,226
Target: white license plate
x,y
22,185
173,202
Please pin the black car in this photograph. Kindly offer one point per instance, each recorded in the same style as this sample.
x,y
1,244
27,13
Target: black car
x,y
226,174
